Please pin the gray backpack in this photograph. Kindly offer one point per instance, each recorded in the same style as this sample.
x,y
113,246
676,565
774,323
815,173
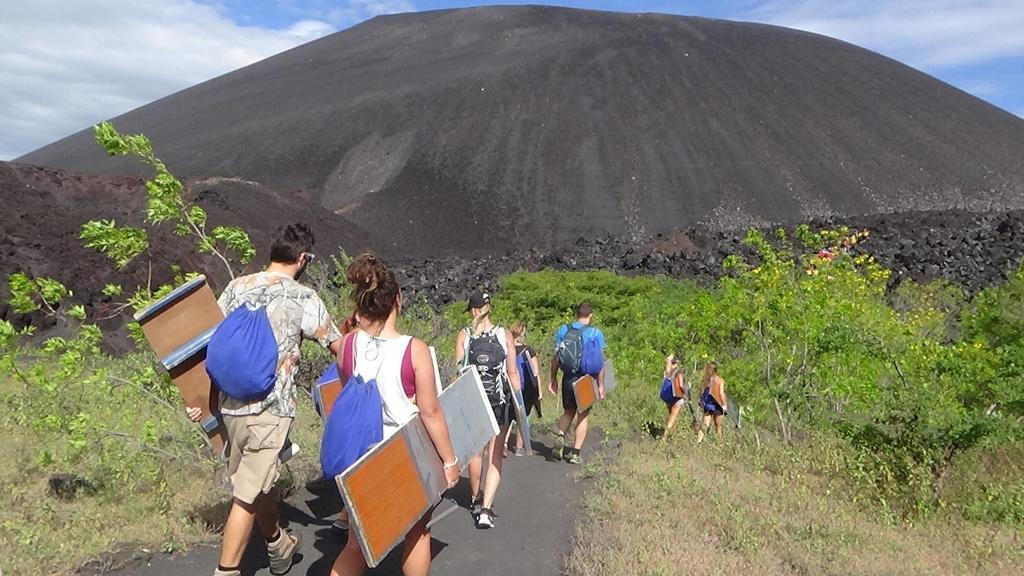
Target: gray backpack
x,y
570,351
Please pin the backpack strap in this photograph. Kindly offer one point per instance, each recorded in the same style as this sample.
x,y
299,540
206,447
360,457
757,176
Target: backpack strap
x,y
465,347
348,357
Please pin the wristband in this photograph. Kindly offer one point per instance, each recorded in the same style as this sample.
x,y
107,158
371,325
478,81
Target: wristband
x,y
453,464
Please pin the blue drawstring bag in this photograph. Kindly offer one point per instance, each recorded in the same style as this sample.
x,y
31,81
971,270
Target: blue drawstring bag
x,y
526,379
592,359
666,392
241,357
356,423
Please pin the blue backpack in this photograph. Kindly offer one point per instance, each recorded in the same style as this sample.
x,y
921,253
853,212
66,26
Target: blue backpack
x,y
526,375
666,392
592,359
356,423
241,357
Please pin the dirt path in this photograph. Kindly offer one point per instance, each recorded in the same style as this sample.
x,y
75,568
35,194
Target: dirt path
x,y
537,505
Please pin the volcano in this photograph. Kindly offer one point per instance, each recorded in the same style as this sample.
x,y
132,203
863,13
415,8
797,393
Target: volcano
x,y
494,129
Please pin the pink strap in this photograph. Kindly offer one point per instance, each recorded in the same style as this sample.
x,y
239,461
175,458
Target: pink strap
x,y
347,356
408,372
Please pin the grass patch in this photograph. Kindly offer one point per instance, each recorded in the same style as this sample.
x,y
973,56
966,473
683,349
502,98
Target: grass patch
x,y
719,508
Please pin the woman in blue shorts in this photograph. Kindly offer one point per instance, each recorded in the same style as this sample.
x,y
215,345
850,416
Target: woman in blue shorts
x,y
712,400
675,392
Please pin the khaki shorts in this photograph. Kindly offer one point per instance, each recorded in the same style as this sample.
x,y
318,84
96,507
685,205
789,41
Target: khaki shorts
x,y
254,443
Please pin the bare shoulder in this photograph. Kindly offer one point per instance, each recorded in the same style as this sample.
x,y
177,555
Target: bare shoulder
x,y
419,348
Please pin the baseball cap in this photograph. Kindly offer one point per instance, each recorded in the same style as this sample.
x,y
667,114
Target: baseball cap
x,y
478,300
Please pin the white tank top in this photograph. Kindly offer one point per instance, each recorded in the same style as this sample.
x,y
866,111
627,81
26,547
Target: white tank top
x,y
382,359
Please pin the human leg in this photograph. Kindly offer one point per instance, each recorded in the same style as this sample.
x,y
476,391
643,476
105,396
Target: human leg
x,y
475,472
673,414
350,562
416,556
254,443
237,528
493,478
267,513
718,424
705,423
581,429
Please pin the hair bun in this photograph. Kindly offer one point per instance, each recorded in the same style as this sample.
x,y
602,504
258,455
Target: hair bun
x,y
374,289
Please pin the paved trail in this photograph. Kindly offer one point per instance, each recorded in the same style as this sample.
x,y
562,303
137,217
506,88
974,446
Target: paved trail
x,y
537,505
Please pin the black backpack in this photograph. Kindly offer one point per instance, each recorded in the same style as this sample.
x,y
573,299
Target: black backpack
x,y
487,352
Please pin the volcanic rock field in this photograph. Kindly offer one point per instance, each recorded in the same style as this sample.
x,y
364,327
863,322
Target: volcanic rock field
x,y
463,144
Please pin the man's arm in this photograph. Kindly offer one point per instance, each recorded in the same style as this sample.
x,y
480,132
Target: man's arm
x,y
318,325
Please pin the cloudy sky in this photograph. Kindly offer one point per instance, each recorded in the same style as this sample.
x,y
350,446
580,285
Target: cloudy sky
x,y
67,64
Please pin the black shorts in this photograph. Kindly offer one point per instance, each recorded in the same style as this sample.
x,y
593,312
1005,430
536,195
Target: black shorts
x,y
503,413
568,394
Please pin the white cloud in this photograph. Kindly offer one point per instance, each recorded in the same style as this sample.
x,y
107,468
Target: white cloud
x,y
67,65
923,33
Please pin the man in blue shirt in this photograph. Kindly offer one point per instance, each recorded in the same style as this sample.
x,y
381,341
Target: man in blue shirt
x,y
584,314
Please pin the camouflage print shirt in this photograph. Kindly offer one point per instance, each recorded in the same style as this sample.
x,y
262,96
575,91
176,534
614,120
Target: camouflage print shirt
x,y
295,312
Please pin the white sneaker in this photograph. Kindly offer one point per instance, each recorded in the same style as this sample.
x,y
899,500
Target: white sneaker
x,y
485,520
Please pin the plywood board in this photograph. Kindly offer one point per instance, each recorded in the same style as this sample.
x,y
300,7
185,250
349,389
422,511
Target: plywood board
x,y
326,391
586,392
437,371
393,485
471,422
523,421
177,318
178,328
610,382
384,495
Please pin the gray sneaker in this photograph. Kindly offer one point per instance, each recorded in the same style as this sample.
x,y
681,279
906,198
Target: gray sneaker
x,y
574,457
219,572
560,446
282,552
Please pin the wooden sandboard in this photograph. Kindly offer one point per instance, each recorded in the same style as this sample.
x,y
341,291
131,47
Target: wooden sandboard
x,y
178,327
586,388
534,378
523,421
326,391
522,418
399,480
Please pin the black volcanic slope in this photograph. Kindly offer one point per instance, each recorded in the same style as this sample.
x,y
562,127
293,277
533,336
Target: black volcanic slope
x,y
484,129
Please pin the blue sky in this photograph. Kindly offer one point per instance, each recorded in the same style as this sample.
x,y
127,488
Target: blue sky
x,y
69,64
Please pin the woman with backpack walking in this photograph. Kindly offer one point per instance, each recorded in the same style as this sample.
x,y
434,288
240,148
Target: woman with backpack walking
x,y
532,393
712,400
404,373
491,349
675,391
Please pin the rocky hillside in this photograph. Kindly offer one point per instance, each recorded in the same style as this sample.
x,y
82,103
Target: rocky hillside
x,y
472,132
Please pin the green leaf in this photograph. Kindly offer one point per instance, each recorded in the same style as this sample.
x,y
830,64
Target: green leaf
x,y
237,240
120,244
22,299
112,290
77,312
198,216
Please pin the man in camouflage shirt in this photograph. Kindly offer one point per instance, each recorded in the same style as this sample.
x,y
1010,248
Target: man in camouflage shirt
x,y
258,430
